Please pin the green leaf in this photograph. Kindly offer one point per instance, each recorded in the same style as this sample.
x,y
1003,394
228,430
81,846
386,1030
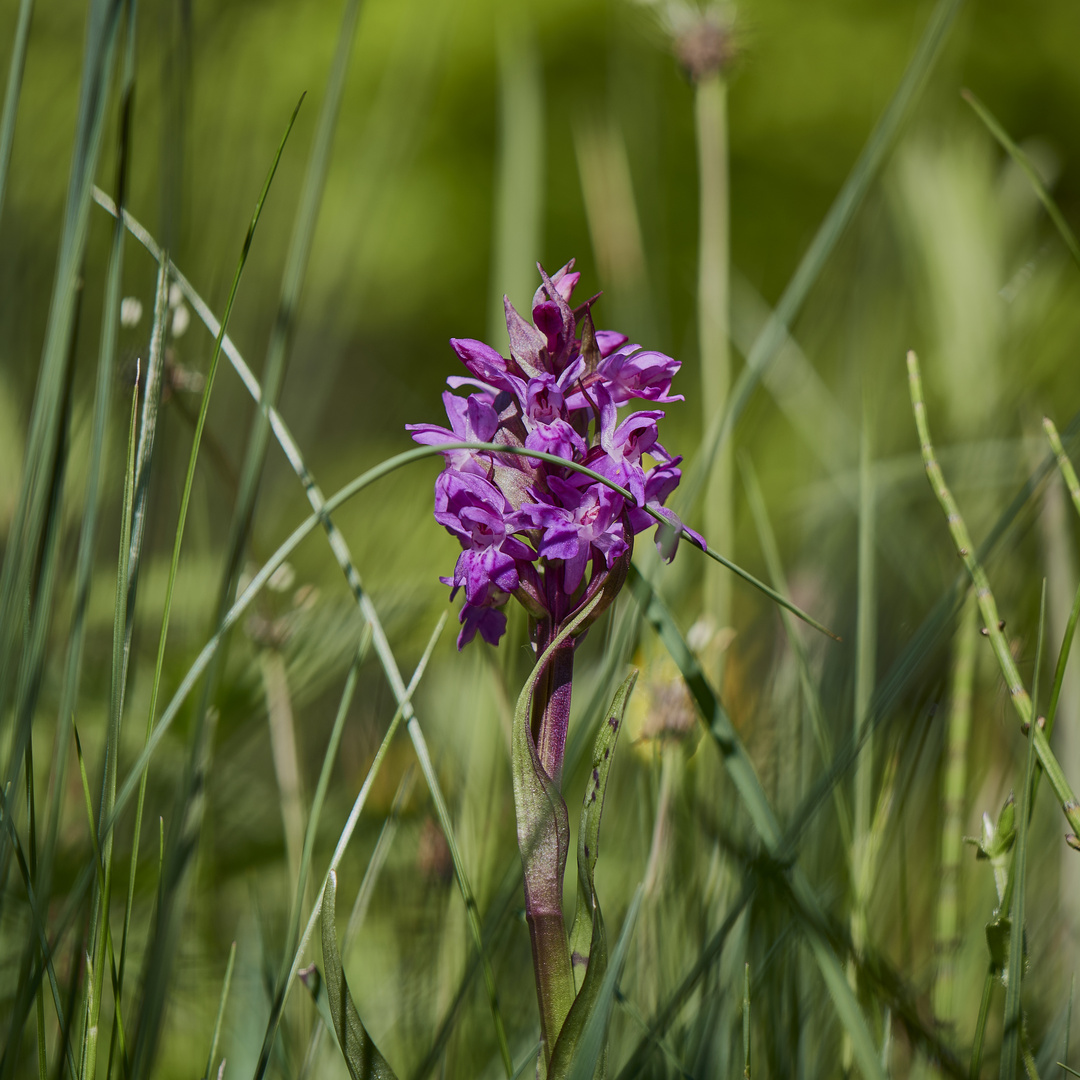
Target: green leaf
x,y
588,944
361,1054
543,831
583,932
587,1059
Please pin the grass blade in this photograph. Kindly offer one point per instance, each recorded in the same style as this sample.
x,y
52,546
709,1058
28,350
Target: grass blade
x,y
45,439
14,88
1024,162
361,1054
947,925
361,904
220,1012
519,178
713,320
1068,473
746,1021
311,833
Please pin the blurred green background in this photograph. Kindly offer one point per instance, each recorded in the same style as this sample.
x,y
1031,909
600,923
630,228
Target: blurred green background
x,y
474,139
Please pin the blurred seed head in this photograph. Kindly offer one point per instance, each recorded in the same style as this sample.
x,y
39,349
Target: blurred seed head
x,y
181,320
433,854
702,35
283,578
130,311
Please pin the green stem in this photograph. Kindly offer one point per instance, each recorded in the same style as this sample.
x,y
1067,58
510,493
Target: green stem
x,y
710,114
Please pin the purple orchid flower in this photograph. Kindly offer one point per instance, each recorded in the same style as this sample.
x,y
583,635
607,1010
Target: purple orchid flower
x,y
475,511
580,521
472,419
556,540
528,528
660,482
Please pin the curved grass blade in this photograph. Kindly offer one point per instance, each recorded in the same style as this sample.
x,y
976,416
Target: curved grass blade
x,y
1024,162
588,944
848,199
361,1054
204,407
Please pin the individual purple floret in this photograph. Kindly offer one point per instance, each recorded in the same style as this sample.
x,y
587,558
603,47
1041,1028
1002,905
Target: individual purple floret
x,y
529,528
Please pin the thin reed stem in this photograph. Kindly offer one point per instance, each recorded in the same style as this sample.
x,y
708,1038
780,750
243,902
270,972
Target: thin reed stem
x,y
710,115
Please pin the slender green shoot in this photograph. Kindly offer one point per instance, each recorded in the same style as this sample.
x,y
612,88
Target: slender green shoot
x,y
296,265
1068,473
220,1011
713,317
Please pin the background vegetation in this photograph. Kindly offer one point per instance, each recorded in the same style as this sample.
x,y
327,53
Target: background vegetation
x,y
471,140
